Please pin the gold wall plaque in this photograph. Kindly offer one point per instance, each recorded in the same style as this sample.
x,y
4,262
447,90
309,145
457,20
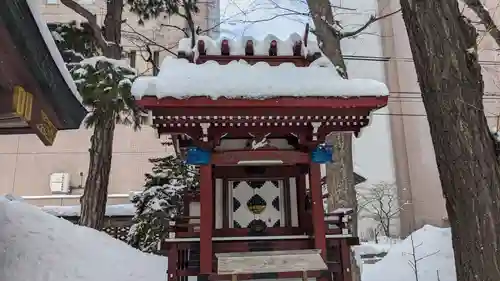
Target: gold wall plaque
x,y
23,103
30,110
46,128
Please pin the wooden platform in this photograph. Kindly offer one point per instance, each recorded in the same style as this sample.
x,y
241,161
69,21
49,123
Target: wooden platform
x,y
269,262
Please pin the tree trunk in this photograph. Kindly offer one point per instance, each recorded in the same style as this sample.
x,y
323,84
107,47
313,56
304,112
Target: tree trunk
x,y
112,28
339,174
95,195
443,44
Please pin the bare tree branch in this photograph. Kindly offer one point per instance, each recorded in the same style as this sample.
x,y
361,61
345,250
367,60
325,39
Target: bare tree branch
x,y
146,39
365,26
176,27
482,13
92,20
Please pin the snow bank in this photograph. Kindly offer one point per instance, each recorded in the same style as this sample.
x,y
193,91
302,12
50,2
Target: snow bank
x,y
435,243
180,79
37,246
111,210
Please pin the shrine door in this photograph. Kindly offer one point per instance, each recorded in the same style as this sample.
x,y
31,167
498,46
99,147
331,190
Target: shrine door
x,y
256,202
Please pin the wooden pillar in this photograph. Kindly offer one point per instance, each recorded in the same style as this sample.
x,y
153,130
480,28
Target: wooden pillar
x,y
318,213
172,262
301,201
206,218
346,260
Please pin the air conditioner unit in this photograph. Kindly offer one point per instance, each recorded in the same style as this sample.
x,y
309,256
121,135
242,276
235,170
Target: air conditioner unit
x,y
59,183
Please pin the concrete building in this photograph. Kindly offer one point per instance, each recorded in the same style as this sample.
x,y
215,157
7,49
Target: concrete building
x,y
33,170
417,176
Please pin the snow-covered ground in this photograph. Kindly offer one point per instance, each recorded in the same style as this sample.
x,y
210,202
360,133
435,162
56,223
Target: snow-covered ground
x,y
111,210
37,246
433,249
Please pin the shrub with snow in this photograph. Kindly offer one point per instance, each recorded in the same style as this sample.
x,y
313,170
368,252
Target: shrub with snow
x,y
161,199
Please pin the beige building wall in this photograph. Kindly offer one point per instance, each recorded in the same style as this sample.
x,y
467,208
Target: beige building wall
x,y
27,164
414,159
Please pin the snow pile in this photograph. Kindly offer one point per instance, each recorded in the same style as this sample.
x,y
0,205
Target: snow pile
x,y
371,248
37,246
34,6
74,211
433,248
180,79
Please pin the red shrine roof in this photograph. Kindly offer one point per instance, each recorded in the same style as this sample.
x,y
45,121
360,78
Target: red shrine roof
x,y
249,84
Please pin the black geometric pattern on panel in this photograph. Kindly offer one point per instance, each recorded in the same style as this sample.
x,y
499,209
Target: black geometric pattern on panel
x,y
236,224
275,183
236,204
256,204
235,184
276,203
257,226
256,184
277,223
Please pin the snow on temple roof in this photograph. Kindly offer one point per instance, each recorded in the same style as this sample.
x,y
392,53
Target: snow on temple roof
x,y
261,47
51,45
181,79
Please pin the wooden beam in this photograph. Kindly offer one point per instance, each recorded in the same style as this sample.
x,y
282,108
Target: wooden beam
x,y
330,103
269,262
301,202
318,214
271,157
206,219
240,172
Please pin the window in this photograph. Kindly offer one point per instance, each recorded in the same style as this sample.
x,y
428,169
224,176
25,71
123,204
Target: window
x,y
52,2
156,60
132,55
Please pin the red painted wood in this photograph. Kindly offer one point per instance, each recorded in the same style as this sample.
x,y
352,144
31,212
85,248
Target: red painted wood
x,y
277,245
318,214
233,157
232,232
172,262
238,172
301,202
281,275
206,219
151,102
271,60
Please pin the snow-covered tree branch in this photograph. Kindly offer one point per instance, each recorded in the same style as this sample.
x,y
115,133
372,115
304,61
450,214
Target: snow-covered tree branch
x,y
161,199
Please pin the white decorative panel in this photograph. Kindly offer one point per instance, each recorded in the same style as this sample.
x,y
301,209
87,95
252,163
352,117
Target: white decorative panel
x,y
293,202
256,200
218,204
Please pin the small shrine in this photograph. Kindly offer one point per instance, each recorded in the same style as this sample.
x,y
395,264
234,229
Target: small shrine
x,y
253,116
37,94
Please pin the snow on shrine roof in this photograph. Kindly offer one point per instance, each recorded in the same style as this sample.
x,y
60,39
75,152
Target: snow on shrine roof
x,y
51,45
179,78
261,46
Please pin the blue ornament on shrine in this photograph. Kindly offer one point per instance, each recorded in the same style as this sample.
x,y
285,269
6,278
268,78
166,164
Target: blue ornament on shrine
x,y
197,156
322,154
